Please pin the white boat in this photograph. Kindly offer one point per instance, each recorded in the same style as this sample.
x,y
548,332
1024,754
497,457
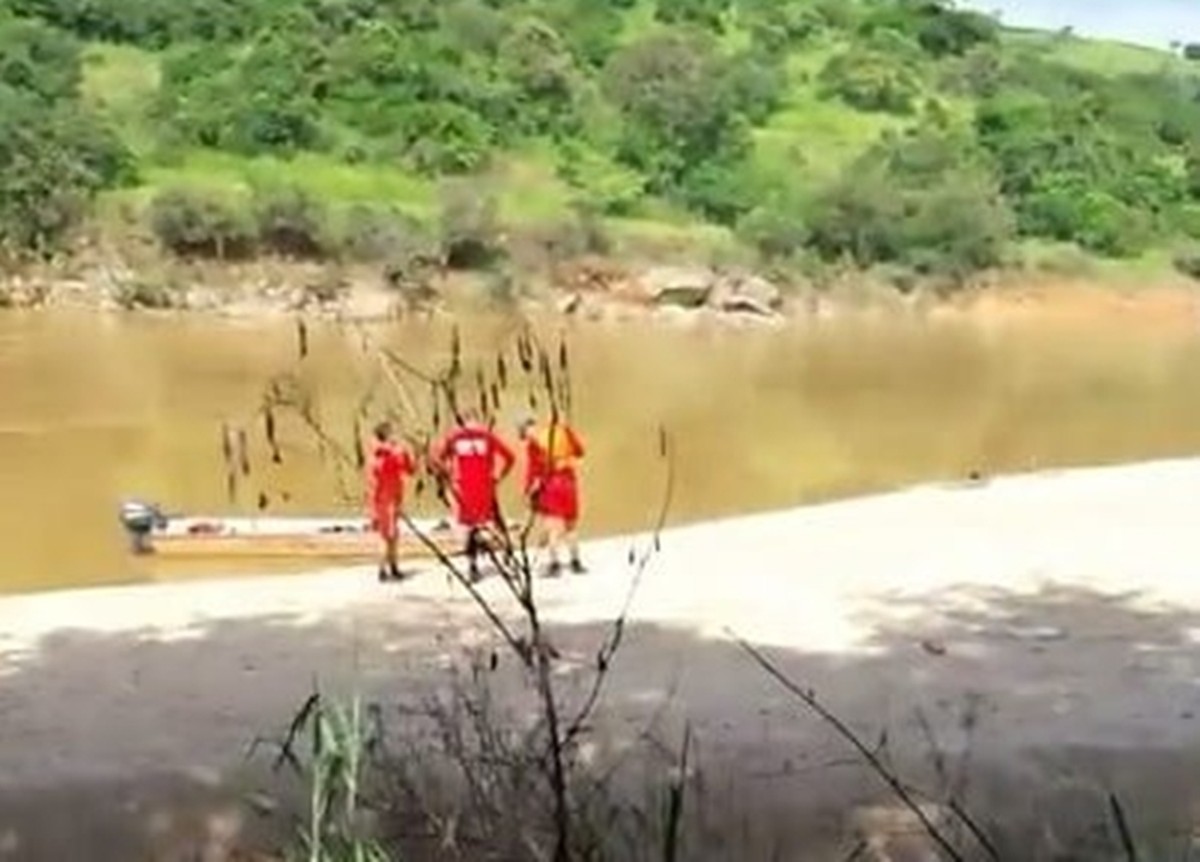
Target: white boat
x,y
152,532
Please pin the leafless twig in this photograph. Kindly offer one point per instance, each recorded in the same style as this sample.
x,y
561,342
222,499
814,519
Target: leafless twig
x,y
809,699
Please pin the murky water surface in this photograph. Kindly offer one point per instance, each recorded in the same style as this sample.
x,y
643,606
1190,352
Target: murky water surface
x,y
94,409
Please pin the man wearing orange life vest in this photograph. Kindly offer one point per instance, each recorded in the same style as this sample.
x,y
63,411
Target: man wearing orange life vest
x,y
552,451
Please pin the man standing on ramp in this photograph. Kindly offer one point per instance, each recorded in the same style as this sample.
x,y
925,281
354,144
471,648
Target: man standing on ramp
x,y
476,461
391,463
552,451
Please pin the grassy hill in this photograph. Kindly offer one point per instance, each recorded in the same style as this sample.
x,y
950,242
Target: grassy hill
x,y
808,133
910,134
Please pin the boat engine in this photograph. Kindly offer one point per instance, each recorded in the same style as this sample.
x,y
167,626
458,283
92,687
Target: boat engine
x,y
139,520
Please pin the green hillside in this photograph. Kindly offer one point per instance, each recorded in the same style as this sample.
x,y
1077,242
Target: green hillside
x,y
903,132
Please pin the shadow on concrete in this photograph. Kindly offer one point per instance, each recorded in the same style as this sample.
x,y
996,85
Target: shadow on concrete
x,y
1031,709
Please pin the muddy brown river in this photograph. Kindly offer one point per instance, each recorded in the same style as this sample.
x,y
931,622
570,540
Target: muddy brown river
x,y
94,409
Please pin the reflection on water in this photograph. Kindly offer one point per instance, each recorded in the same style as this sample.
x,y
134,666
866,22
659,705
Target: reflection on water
x,y
93,409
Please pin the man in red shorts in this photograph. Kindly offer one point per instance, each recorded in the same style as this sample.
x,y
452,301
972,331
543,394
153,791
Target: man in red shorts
x,y
552,486
391,463
476,460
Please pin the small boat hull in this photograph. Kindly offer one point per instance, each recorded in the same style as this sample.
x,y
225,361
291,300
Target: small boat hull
x,y
294,538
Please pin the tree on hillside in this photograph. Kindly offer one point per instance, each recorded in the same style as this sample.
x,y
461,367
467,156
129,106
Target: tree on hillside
x,y
673,91
53,160
473,25
1192,51
925,200
150,23
777,25
1192,172
870,80
592,28
535,58
757,82
1078,171
194,223
707,14
978,73
442,138
946,31
54,153
259,99
38,60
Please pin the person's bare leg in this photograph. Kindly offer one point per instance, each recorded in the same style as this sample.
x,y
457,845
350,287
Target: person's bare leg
x,y
474,548
393,558
389,565
571,538
554,529
541,536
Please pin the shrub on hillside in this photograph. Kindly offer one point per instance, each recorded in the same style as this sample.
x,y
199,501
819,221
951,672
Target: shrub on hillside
x,y
708,14
776,25
944,31
1192,177
443,138
591,231
856,217
538,245
1186,220
757,82
1188,263
923,200
980,72
870,81
775,229
599,181
292,223
1091,217
413,271
143,294
373,233
470,228
193,223
958,227
720,188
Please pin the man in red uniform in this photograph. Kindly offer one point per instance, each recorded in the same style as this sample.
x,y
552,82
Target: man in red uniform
x,y
477,460
390,464
552,486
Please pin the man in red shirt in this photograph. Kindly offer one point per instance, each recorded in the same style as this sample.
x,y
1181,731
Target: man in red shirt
x,y
552,452
476,460
390,464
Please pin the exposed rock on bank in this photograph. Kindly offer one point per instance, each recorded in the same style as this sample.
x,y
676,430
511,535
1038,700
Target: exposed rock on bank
x,y
590,288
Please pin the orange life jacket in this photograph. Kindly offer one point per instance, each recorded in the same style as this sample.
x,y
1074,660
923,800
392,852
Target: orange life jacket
x,y
557,447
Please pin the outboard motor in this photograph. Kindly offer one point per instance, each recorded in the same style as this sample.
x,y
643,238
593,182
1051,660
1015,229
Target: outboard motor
x,y
139,520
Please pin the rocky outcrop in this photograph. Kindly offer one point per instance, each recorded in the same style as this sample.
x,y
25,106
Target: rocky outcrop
x,y
593,289
750,293
682,287
747,294
24,293
694,289
678,295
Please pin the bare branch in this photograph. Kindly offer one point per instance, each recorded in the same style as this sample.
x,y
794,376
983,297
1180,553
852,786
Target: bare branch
x,y
1118,815
809,699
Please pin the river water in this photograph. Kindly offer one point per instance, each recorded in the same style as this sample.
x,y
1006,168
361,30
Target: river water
x,y
97,408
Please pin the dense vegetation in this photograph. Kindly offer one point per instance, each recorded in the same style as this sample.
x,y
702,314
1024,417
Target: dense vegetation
x,y
902,132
